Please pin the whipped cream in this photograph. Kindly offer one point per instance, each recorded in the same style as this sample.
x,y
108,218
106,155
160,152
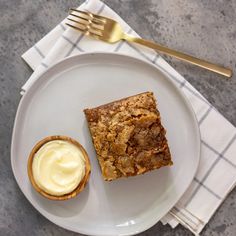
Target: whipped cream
x,y
58,167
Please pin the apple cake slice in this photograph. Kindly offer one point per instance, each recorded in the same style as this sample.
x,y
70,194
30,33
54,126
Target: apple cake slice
x,y
128,136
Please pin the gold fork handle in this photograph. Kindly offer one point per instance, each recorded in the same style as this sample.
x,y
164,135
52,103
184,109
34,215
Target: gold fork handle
x,y
182,56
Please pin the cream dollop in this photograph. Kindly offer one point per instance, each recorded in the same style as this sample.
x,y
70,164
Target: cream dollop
x,y
58,167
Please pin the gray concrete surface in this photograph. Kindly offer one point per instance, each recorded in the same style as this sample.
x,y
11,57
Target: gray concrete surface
x,y
205,28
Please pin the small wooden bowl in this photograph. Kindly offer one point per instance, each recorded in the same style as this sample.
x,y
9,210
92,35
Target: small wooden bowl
x,y
83,182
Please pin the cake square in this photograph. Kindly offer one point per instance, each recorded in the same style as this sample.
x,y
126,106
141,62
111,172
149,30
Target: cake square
x,y
128,136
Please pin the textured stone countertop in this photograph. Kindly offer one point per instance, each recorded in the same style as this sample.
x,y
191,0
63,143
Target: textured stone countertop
x,y
205,28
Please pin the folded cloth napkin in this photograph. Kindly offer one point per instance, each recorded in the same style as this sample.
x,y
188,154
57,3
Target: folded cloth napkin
x,y
216,175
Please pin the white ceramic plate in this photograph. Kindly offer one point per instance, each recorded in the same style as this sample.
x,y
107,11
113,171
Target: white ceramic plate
x,y
54,105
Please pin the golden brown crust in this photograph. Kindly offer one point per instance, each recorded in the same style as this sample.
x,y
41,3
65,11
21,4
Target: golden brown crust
x,y
128,136
83,182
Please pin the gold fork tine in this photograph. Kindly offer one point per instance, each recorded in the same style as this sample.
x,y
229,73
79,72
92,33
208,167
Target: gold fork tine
x,y
77,27
92,20
85,30
78,23
87,26
83,20
86,13
91,15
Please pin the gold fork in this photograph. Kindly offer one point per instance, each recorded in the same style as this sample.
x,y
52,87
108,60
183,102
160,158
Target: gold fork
x,y
110,31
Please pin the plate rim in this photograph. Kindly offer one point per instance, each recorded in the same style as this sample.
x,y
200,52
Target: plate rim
x,y
101,53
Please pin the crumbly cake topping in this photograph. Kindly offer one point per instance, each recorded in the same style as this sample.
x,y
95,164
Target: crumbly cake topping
x,y
128,136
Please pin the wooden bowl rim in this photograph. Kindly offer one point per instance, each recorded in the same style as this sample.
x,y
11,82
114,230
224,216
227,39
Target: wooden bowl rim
x,y
82,183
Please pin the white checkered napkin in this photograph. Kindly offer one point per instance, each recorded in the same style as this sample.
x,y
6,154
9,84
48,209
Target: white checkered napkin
x,y
216,175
